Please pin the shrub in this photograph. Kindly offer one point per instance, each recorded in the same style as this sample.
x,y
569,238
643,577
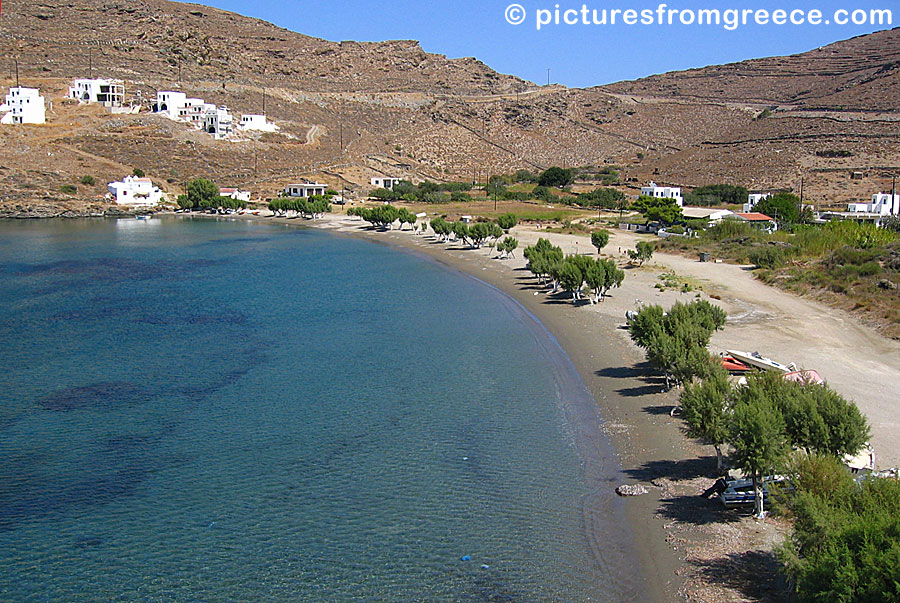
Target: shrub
x,y
870,268
767,257
69,189
138,172
88,180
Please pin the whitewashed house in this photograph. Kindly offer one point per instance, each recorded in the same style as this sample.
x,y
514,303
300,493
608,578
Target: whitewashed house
x,y
382,182
753,199
24,106
168,103
305,189
135,191
109,93
235,193
193,111
883,204
663,192
218,121
256,122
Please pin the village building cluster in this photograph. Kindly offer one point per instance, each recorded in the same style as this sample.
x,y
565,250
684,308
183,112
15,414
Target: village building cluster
x,y
26,106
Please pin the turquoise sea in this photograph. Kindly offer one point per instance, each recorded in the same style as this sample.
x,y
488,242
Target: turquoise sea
x,y
203,410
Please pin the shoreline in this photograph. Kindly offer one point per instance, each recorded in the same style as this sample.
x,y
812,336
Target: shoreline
x,y
682,541
638,438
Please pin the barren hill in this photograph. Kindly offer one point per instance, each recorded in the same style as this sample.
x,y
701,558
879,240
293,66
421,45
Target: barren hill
x,y
859,74
348,111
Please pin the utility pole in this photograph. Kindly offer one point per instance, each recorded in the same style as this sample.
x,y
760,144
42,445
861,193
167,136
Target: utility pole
x,y
90,62
801,192
264,101
548,76
17,73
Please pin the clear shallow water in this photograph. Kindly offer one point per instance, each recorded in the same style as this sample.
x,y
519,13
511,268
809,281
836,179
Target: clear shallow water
x,y
193,410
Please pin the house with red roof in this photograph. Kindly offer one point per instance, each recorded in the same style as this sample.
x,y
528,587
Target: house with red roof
x,y
756,220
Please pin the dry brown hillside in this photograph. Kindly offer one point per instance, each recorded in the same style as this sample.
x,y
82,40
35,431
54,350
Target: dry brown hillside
x,y
859,74
349,111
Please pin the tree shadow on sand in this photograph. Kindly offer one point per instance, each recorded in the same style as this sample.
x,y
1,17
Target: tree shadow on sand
x,y
753,574
652,382
704,466
697,510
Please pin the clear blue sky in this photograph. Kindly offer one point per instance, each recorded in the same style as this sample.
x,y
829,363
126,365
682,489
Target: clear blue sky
x,y
577,55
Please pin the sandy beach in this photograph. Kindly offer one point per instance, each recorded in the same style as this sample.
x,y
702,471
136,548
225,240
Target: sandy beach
x,y
688,547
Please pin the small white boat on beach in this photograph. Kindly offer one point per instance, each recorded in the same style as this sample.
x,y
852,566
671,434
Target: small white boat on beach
x,y
759,361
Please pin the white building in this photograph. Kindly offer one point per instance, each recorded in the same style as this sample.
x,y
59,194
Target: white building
x,y
712,215
24,106
168,103
193,111
135,191
306,189
382,182
753,199
109,93
256,122
883,204
218,121
663,192
235,193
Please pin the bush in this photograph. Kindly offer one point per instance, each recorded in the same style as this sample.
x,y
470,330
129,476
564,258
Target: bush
x,y
88,180
767,257
138,172
870,268
69,189
846,541
556,176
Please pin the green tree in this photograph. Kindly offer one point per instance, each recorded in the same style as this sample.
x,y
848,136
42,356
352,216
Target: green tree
x,y
507,221
406,217
599,239
603,198
201,192
717,194
88,180
507,246
542,193
184,202
845,544
758,436
460,230
571,278
656,209
542,257
137,172
642,252
705,410
784,207
675,341
556,177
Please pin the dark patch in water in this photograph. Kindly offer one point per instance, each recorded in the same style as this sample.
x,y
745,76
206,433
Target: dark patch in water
x,y
137,312
97,395
36,498
88,542
114,269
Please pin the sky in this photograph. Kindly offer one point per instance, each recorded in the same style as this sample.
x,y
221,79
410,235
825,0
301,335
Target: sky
x,y
577,55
